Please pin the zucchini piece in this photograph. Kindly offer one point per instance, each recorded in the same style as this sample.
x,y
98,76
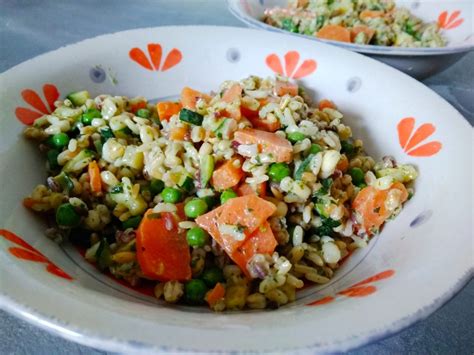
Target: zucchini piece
x,y
223,129
186,183
123,133
206,169
103,255
79,162
321,209
98,146
303,166
136,204
191,117
64,181
211,201
52,157
402,173
132,222
156,186
78,98
220,126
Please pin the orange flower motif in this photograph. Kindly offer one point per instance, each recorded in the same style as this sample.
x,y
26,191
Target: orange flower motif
x,y
410,142
452,22
324,300
360,289
27,252
156,52
291,63
28,116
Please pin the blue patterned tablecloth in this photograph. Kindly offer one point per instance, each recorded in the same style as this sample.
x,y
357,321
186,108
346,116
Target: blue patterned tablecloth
x,y
32,27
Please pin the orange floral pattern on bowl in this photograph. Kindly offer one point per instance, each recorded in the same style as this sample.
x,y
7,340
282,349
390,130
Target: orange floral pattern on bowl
x,y
28,116
410,140
155,52
450,22
291,69
361,289
24,251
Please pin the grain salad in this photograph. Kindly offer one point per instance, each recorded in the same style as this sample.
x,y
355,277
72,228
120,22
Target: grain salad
x,y
376,22
235,199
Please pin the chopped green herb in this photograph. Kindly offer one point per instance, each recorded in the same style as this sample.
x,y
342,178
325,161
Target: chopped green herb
x,y
117,189
326,229
289,25
105,134
320,22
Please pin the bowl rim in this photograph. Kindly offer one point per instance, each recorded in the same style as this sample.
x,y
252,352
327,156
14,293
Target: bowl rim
x,y
85,337
360,48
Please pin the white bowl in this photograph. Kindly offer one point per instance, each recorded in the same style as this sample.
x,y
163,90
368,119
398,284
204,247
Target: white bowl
x,y
457,28
420,260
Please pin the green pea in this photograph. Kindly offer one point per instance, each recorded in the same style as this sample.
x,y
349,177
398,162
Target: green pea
x,y
295,137
143,113
315,149
60,140
278,171
52,157
227,195
89,115
195,208
156,186
132,222
357,176
197,237
212,276
195,291
171,195
66,216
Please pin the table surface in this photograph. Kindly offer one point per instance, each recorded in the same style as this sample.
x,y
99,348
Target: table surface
x,y
31,27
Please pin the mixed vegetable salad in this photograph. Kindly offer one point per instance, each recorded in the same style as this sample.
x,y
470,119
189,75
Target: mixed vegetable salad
x,y
234,199
377,22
